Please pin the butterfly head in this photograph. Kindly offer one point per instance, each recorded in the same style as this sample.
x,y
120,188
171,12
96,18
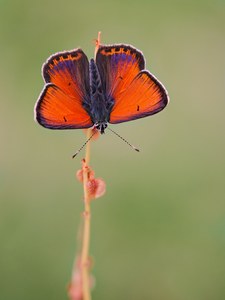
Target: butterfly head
x,y
101,127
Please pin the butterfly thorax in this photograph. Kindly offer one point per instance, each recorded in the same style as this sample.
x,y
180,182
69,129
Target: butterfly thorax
x,y
99,110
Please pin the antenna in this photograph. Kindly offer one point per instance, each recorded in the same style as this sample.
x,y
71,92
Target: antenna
x,y
132,146
84,144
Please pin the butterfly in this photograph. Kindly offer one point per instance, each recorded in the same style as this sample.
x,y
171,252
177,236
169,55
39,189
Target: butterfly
x,y
113,88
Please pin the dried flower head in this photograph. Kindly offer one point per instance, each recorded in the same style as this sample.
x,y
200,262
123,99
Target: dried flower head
x,y
96,187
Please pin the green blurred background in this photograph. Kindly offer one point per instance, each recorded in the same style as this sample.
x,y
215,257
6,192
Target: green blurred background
x,y
159,232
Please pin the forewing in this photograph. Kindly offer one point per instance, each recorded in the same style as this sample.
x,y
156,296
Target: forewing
x,y
134,92
63,104
118,65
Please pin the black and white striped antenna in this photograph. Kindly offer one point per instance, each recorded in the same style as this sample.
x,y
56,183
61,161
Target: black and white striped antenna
x,y
78,151
94,132
132,146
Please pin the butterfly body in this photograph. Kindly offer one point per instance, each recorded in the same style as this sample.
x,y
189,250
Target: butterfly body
x,y
113,88
100,107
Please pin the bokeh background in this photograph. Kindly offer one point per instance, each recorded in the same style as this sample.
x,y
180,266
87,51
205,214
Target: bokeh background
x,y
159,232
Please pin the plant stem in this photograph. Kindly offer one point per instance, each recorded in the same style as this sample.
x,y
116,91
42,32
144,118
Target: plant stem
x,y
97,43
85,263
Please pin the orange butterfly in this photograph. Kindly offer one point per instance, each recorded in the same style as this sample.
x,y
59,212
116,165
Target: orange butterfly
x,y
114,88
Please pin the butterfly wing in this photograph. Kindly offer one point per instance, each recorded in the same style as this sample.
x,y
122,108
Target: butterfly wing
x,y
135,92
64,101
143,97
